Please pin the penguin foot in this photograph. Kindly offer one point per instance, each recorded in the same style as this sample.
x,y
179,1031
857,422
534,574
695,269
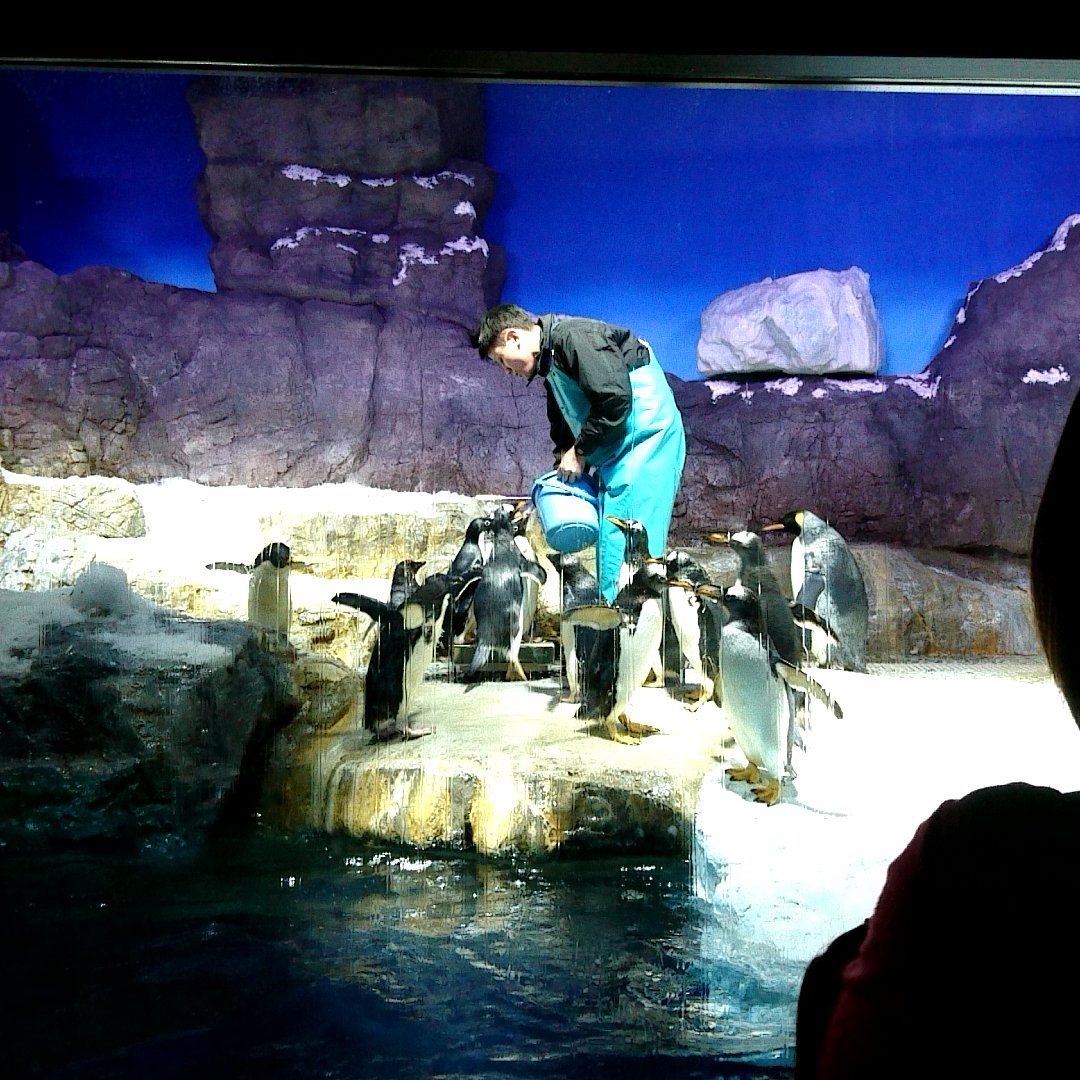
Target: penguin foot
x,y
747,772
570,697
696,697
768,793
515,672
637,728
653,679
615,735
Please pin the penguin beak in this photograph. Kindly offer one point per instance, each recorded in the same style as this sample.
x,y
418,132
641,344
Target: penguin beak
x,y
681,584
719,537
714,592
622,523
773,527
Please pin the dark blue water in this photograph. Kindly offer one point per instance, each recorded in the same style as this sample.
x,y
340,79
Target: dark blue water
x,y
309,956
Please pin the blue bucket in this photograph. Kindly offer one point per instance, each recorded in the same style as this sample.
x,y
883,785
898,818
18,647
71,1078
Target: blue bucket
x,y
568,509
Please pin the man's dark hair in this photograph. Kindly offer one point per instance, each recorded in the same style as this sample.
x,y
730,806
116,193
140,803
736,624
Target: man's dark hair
x,y
497,319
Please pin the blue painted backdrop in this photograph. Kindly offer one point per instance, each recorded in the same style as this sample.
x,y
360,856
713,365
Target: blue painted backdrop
x,y
637,204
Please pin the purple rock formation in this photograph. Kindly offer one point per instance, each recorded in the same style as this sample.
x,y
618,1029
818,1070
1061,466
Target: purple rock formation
x,y
312,365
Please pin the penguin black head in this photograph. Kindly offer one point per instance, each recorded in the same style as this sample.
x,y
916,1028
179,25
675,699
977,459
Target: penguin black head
x,y
637,537
277,555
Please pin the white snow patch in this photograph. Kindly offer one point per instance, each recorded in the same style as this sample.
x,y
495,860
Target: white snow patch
x,y
296,239
1050,377
380,238
920,384
379,181
859,386
789,387
410,255
465,244
309,175
350,250
446,174
1057,243
465,209
311,232
952,338
722,388
819,393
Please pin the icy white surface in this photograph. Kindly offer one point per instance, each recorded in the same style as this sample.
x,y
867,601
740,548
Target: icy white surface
x,y
784,880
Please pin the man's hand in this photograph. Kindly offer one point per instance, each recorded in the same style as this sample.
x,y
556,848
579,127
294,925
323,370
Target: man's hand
x,y
570,465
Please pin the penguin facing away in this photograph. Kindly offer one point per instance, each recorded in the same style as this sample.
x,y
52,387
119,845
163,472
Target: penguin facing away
x,y
826,578
621,656
578,588
499,601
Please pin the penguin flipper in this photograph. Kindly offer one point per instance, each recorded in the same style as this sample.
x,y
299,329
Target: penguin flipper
x,y
799,680
812,587
595,616
237,567
372,608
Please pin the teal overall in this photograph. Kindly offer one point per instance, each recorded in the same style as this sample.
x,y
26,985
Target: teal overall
x,y
639,475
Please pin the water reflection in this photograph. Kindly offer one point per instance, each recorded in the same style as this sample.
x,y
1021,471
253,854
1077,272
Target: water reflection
x,y
307,956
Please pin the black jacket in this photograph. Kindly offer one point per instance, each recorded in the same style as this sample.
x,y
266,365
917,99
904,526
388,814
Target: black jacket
x,y
598,356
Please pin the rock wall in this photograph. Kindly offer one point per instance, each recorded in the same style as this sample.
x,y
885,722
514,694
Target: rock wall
x,y
336,349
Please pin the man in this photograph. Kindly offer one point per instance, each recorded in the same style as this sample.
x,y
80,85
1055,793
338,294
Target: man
x,y
611,411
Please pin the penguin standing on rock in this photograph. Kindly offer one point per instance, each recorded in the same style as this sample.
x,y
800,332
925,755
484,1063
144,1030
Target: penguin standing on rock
x,y
683,604
755,686
404,646
269,600
579,588
826,579
499,602
403,581
630,634
474,552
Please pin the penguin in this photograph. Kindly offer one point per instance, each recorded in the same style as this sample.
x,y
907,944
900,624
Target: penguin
x,y
403,581
684,573
755,574
404,646
499,601
630,634
269,602
755,685
826,579
520,520
578,588
474,552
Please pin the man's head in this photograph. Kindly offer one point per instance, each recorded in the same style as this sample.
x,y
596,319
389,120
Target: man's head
x,y
510,336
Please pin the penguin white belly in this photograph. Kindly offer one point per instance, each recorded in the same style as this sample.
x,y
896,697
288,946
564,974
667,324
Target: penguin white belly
x,y
755,701
636,652
798,567
683,608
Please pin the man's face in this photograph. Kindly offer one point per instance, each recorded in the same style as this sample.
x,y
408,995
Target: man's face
x,y
514,353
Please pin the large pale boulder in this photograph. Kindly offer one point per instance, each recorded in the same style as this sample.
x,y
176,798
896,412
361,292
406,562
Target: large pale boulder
x,y
822,322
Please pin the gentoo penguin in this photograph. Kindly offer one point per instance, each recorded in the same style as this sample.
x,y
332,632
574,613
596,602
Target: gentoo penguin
x,y
620,658
755,685
404,647
826,578
520,520
499,599
756,575
403,581
684,573
269,603
474,552
578,588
